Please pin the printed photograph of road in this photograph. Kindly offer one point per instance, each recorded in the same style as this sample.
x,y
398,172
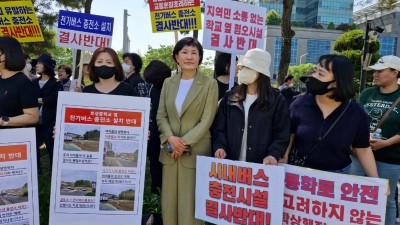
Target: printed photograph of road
x,y
13,190
117,197
121,153
81,138
78,182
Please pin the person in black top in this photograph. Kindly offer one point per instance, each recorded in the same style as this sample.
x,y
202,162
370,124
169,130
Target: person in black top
x,y
287,90
18,95
155,73
48,87
107,75
222,72
131,67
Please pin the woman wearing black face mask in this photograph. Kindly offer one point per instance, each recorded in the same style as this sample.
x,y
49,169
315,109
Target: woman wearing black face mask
x,y
326,123
107,74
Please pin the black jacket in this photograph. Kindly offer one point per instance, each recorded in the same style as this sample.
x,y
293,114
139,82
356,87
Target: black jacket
x,y
49,95
267,133
134,80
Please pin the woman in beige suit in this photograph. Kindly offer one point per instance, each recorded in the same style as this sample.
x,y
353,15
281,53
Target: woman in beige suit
x,y
188,104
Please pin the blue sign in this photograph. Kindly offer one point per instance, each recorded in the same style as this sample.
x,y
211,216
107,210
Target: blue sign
x,y
85,22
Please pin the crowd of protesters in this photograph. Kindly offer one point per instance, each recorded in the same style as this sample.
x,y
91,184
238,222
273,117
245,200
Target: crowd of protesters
x,y
197,115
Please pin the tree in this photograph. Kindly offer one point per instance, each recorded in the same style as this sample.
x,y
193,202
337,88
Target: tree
x,y
287,35
127,195
273,18
386,5
47,18
164,54
331,26
92,135
344,27
317,26
298,71
353,40
350,44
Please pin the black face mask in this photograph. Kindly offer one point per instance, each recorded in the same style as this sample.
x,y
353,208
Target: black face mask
x,y
105,72
317,87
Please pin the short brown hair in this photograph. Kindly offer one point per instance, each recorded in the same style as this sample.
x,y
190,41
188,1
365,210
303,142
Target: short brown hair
x,y
119,74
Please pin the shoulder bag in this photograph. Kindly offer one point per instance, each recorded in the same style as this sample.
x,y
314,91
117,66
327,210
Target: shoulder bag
x,y
297,160
386,115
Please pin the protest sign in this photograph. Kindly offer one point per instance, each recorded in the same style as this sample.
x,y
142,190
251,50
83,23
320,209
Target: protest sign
x,y
84,31
18,177
18,20
175,15
233,27
99,159
319,197
236,192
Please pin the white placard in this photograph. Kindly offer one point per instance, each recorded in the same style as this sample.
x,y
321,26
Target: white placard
x,y
236,192
332,198
99,159
233,27
18,177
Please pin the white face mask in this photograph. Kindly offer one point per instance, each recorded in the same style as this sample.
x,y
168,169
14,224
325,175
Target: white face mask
x,y
247,76
28,67
126,68
290,85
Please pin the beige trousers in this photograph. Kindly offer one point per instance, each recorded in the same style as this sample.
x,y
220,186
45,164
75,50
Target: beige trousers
x,y
178,195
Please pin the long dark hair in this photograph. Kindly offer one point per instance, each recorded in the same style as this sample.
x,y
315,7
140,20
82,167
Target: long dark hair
x,y
264,91
343,73
119,74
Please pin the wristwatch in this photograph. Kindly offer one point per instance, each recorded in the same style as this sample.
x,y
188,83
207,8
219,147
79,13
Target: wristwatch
x,y
5,120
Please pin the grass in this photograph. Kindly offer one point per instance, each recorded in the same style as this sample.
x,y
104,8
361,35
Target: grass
x,y
151,202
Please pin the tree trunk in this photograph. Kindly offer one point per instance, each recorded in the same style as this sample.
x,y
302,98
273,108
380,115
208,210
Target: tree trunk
x,y
88,8
287,34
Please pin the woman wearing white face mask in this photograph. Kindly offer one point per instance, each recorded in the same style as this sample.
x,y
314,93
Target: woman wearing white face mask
x,y
28,68
252,123
132,66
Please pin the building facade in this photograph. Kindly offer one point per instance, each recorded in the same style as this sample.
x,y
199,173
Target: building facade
x,y
388,19
312,12
307,45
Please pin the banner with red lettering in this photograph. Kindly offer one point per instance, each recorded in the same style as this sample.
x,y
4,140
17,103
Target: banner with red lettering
x,y
319,197
84,31
236,192
233,27
18,19
19,202
99,159
175,15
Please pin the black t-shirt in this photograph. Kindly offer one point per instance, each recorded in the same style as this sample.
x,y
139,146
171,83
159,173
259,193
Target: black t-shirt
x,y
121,89
17,93
223,88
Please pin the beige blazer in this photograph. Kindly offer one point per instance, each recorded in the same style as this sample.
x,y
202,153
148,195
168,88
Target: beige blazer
x,y
197,115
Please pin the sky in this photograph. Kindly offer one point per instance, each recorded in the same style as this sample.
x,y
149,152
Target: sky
x,y
13,182
79,129
139,25
74,175
124,146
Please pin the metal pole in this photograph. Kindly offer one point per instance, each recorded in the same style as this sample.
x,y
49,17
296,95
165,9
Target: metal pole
x,y
303,56
365,51
125,47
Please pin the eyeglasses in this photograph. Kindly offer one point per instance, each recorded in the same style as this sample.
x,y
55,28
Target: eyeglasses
x,y
61,71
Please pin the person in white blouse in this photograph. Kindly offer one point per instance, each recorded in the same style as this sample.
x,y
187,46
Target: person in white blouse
x,y
188,104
